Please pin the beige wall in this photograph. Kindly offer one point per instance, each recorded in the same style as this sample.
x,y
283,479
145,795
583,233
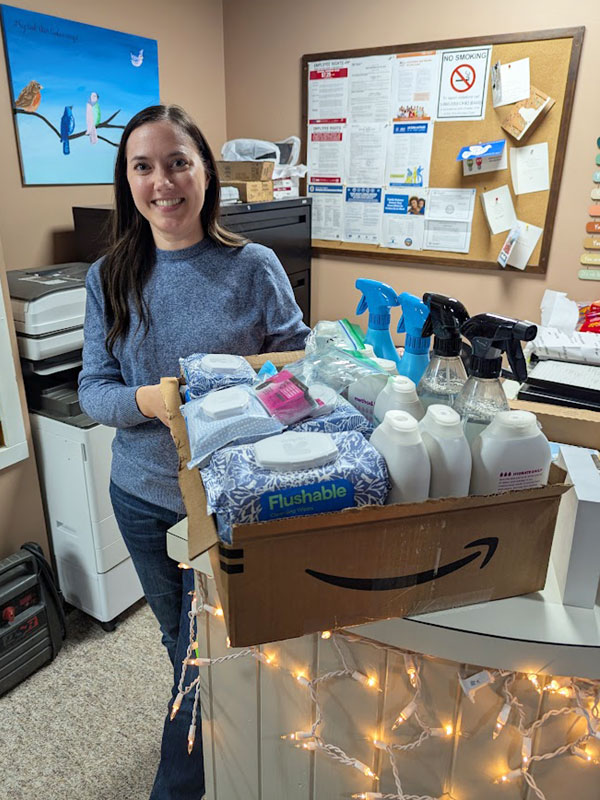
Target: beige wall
x,y
263,48
36,222
21,512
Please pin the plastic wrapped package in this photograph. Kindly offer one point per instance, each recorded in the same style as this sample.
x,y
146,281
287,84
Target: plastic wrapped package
x,y
239,490
343,417
225,417
335,368
204,372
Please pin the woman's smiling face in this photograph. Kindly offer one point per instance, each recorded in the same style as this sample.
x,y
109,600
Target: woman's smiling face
x,y
167,179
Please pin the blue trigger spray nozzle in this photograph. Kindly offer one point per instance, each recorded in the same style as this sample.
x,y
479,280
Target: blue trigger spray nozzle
x,y
416,346
377,298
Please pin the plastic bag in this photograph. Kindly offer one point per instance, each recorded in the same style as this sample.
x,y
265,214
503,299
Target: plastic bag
x,y
334,367
250,150
341,333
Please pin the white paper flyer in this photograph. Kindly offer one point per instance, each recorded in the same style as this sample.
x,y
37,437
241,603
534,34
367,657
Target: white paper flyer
x,y
409,154
362,214
464,77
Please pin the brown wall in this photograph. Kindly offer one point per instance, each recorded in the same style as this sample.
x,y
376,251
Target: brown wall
x,y
263,48
21,513
36,222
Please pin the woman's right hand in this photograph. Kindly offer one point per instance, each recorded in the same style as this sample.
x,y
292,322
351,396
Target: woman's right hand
x,y
150,402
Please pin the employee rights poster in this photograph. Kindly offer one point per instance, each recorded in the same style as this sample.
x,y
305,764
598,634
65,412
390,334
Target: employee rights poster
x,y
362,214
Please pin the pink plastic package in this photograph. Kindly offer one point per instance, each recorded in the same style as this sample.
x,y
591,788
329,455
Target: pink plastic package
x,y
285,397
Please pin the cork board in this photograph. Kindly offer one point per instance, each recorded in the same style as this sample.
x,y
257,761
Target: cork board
x,y
554,60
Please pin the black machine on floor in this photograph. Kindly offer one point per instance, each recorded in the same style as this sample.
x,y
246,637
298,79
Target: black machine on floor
x,y
32,623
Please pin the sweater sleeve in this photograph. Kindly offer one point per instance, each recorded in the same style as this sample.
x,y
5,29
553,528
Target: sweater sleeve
x,y
284,328
103,394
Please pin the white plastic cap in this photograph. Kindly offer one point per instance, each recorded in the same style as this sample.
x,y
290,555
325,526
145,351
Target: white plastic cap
x,y
221,362
291,450
516,424
387,364
442,421
402,427
403,385
225,403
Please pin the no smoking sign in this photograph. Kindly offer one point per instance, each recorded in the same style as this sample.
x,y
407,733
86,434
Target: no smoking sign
x,y
462,78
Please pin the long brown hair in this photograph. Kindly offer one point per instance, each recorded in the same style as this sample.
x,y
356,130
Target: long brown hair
x,y
131,255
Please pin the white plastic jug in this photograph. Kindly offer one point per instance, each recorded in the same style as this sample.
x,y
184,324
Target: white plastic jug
x,y
399,394
511,453
399,441
449,452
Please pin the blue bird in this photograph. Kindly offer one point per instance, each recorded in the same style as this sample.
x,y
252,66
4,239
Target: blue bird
x,y
67,126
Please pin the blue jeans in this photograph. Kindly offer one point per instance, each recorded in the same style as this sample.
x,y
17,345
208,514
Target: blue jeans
x,y
144,527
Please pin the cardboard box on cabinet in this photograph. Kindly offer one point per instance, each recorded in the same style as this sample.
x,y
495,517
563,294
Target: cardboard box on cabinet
x,y
245,170
253,191
286,578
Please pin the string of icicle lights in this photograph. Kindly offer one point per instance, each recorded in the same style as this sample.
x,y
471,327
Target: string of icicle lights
x,y
582,703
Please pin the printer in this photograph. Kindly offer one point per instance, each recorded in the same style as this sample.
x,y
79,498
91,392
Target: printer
x,y
95,571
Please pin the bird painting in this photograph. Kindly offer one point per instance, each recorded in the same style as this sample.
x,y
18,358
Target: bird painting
x,y
137,60
30,97
67,126
92,117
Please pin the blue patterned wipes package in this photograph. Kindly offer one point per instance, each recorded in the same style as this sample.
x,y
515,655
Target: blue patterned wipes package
x,y
225,417
344,417
204,372
238,490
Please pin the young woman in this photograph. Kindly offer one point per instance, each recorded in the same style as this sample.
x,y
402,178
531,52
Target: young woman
x,y
173,282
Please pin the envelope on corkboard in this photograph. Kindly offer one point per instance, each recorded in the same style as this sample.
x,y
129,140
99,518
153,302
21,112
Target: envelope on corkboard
x,y
527,114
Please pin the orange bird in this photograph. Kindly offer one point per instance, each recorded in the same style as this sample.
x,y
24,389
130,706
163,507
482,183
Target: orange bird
x,y
30,97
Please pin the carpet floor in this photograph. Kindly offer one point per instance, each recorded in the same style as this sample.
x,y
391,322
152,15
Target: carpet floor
x,y
88,725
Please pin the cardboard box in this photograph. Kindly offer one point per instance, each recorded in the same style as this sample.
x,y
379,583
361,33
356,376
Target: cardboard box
x,y
286,578
576,549
245,170
253,191
564,424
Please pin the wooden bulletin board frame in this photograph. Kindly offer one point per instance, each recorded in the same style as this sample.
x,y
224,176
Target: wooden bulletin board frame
x,y
554,62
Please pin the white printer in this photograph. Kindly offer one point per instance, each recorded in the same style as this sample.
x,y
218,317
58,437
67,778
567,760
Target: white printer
x,y
73,452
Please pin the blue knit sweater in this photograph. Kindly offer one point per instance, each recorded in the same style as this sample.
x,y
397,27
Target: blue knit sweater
x,y
205,298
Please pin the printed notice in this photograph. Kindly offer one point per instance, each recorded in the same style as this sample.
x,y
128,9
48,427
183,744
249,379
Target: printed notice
x,y
463,83
524,246
404,221
414,86
370,80
409,154
365,154
510,82
326,153
529,168
448,219
362,214
499,209
327,211
328,91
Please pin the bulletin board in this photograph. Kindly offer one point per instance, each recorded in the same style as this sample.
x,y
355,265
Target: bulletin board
x,y
554,60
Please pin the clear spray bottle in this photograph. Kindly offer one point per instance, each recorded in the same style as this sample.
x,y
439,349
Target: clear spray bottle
x,y
445,375
482,396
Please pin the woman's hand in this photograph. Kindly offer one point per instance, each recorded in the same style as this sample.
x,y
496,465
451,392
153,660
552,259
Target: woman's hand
x,y
150,402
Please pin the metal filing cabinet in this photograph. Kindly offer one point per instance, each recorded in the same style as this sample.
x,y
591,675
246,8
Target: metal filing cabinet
x,y
282,225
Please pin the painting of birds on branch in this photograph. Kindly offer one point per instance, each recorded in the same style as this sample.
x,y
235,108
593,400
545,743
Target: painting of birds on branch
x,y
69,120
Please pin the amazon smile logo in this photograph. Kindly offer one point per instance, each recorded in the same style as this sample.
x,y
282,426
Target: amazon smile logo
x,y
487,549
